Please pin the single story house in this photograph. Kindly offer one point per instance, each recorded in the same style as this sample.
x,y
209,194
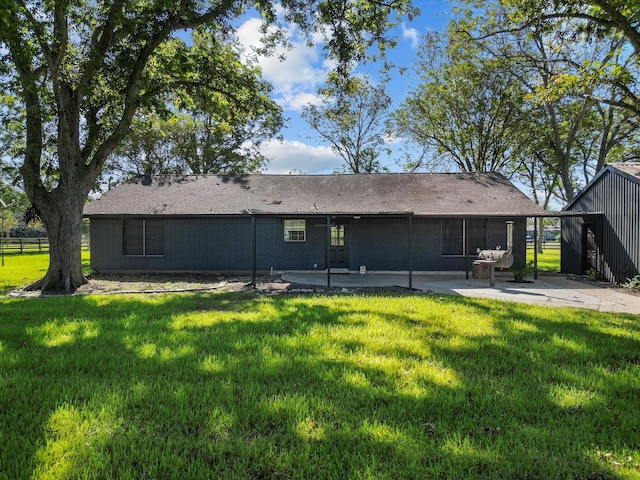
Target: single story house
x,y
607,241
248,223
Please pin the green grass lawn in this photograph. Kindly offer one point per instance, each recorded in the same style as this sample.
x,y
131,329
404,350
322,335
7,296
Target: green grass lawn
x,y
549,259
241,386
22,269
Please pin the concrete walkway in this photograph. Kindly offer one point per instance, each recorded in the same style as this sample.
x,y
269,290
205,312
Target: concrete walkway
x,y
550,290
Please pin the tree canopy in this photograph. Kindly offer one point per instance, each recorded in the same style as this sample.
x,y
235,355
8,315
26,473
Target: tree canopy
x,y
209,131
76,73
611,79
351,117
583,70
556,86
468,108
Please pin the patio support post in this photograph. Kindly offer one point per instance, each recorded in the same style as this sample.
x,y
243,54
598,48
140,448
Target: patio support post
x,y
254,256
328,251
467,259
465,248
535,248
410,249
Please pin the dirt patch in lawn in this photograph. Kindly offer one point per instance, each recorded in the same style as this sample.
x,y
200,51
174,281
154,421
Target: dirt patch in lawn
x,y
174,283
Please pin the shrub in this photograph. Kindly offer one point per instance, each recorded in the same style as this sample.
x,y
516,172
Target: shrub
x,y
519,273
24,231
632,283
593,274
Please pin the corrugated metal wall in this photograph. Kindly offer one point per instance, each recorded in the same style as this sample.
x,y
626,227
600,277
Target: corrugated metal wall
x,y
618,234
570,246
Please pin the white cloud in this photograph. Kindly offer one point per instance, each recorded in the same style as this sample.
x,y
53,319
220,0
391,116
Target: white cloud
x,y
288,156
295,100
411,34
294,79
249,33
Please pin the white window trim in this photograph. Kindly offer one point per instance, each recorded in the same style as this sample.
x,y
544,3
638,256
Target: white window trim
x,y
295,225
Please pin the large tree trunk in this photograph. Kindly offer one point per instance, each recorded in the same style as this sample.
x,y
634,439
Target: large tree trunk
x,y
60,208
63,219
65,249
61,212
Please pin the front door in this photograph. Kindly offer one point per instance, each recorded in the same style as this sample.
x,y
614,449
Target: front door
x,y
338,250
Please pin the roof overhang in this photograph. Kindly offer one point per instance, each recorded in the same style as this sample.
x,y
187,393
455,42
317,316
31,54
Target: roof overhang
x,y
262,213
566,213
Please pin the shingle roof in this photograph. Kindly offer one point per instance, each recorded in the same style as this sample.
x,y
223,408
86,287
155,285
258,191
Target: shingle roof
x,y
451,194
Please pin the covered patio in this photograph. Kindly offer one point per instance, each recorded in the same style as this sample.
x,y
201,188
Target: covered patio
x,y
549,290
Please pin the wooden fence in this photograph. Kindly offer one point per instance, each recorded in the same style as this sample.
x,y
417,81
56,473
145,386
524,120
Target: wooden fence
x,y
29,245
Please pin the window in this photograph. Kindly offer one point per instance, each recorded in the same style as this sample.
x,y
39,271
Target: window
x,y
337,236
452,237
295,231
476,234
143,237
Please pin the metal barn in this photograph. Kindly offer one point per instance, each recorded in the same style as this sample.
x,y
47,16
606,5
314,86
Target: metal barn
x,y
607,241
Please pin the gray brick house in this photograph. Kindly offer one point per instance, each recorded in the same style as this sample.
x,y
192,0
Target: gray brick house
x,y
249,223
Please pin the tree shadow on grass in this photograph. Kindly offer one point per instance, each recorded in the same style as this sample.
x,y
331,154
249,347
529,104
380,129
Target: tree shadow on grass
x,y
564,382
244,386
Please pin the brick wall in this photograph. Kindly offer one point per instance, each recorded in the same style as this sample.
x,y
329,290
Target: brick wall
x,y
225,244
273,251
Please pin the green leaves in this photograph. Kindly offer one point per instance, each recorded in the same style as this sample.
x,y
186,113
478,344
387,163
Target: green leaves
x,y
96,64
468,109
210,115
84,69
351,118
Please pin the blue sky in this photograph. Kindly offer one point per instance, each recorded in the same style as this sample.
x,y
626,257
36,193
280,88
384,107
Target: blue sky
x,y
296,79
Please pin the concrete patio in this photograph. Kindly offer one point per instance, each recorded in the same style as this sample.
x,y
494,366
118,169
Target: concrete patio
x,y
550,290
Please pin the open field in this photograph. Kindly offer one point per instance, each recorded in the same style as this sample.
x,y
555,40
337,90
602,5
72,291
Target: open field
x,y
242,386
23,269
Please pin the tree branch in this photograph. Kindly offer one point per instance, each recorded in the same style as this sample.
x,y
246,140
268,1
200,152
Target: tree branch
x,y
101,40
60,35
40,34
619,22
30,169
131,100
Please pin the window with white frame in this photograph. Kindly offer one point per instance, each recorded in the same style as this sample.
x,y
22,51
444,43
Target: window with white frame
x,y
295,230
143,237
